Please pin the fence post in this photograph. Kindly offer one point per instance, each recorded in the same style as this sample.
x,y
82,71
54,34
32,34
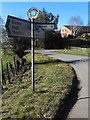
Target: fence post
x,y
3,81
15,65
8,72
12,69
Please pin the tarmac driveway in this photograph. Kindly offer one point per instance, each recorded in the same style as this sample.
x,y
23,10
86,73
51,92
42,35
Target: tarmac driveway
x,y
80,64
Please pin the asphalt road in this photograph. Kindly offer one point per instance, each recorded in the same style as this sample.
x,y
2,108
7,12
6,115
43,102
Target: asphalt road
x,y
80,64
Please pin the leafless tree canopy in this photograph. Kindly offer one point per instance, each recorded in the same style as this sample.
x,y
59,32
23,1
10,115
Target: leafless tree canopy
x,y
76,24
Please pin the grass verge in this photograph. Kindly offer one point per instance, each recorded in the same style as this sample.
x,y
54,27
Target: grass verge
x,y
82,52
53,81
7,59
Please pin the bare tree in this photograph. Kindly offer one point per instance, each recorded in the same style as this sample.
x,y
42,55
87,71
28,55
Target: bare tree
x,y
76,24
3,33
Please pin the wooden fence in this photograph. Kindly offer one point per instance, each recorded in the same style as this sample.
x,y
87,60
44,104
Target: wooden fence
x,y
10,70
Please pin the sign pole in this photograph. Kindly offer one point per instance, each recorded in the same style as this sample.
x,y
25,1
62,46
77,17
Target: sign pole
x,y
32,54
32,17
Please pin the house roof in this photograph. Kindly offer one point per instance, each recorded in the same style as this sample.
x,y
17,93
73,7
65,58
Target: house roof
x,y
84,28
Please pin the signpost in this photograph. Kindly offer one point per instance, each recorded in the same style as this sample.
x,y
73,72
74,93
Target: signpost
x,y
32,17
18,28
32,52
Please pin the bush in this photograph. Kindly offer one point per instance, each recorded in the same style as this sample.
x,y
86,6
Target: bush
x,y
70,36
76,42
19,46
53,40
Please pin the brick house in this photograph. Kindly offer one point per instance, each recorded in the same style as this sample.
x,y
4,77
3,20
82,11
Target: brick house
x,y
74,30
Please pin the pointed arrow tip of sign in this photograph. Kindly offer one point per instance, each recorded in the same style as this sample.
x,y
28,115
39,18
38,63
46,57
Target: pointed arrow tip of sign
x,y
7,25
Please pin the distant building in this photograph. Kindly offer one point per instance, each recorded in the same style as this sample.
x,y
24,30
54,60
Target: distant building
x,y
67,30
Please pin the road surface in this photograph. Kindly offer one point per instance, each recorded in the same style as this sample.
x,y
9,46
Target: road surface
x,y
80,64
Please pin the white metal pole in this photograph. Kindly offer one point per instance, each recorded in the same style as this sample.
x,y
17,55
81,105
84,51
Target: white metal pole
x,y
32,54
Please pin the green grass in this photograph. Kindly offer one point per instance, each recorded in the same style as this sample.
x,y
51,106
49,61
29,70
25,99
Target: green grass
x,y
82,52
53,80
7,59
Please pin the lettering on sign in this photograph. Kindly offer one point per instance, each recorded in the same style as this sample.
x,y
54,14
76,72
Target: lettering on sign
x,y
17,27
45,27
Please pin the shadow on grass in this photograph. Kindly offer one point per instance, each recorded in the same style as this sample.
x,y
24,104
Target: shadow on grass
x,y
82,98
78,61
49,61
68,102
44,62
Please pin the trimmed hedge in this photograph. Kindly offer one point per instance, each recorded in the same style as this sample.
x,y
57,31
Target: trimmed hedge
x,y
76,43
53,40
